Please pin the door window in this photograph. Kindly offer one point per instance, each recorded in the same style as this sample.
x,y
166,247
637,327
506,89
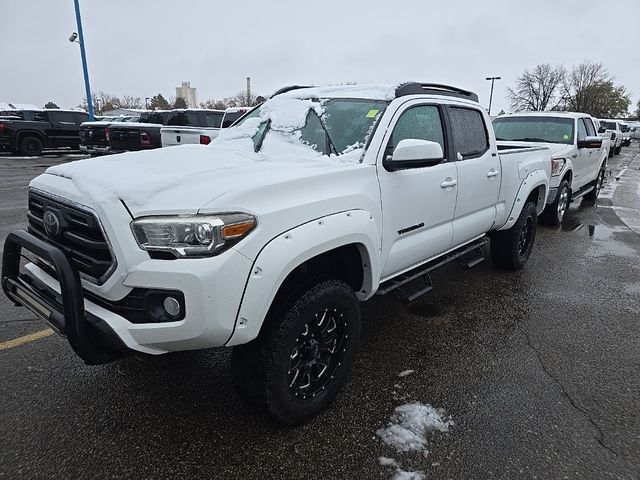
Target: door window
x,y
422,122
80,117
582,130
591,131
469,132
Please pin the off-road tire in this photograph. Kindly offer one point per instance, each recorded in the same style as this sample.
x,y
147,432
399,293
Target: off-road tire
x,y
597,183
261,368
612,151
507,248
30,146
553,214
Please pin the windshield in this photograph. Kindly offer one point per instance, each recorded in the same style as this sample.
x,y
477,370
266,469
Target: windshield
x,y
329,126
534,129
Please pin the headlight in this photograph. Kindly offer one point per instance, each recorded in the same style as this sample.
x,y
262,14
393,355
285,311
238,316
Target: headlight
x,y
557,164
192,236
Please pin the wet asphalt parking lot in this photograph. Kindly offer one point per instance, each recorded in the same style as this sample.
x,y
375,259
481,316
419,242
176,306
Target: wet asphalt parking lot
x,y
538,369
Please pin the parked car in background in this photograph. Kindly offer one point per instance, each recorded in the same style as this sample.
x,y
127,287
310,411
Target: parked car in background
x,y
141,135
268,240
634,128
579,158
608,142
232,114
625,128
37,130
93,135
615,128
192,126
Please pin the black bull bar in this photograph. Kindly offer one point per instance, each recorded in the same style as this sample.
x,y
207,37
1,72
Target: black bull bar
x,y
90,337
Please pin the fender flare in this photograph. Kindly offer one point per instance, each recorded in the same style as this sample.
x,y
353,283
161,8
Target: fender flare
x,y
533,181
30,133
290,249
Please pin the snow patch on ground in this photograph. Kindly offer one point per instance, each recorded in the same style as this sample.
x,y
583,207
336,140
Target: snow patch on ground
x,y
409,425
399,473
405,373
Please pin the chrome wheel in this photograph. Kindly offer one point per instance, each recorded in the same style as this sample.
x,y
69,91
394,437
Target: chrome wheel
x,y
599,182
563,203
318,353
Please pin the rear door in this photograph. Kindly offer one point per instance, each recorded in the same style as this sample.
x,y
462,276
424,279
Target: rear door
x,y
65,129
479,173
417,203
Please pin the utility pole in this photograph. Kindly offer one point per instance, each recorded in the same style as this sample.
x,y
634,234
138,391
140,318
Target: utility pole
x,y
248,92
84,61
493,79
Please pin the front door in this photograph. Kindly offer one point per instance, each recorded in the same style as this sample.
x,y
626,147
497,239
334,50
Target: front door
x,y
417,203
479,174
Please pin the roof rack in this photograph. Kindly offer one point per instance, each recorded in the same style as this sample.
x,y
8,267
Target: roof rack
x,y
289,88
416,88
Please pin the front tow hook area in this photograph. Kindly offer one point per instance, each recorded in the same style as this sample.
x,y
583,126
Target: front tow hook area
x,y
90,337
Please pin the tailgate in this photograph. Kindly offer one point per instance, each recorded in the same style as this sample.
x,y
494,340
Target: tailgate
x,y
186,135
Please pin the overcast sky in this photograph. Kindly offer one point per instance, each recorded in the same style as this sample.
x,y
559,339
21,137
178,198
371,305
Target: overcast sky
x,y
142,47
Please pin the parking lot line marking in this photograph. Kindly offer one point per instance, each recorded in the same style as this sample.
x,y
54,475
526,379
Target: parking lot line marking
x,y
25,339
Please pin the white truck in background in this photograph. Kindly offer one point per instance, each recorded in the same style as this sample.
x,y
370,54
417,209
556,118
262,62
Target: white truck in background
x,y
579,155
199,126
267,240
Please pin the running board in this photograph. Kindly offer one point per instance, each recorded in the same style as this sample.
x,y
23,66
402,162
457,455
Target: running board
x,y
582,192
469,256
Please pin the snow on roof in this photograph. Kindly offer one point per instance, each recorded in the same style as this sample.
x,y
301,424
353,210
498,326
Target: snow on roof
x,y
551,113
368,91
18,106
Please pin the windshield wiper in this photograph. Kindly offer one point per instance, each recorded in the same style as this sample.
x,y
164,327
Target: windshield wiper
x,y
529,139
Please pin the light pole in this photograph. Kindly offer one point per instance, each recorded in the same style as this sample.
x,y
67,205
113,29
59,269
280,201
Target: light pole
x,y
493,79
80,38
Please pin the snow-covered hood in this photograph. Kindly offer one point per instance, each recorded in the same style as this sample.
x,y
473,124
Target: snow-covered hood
x,y
183,179
226,174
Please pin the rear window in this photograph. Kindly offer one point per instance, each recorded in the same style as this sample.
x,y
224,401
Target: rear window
x,y
155,117
214,119
608,125
230,117
184,119
469,132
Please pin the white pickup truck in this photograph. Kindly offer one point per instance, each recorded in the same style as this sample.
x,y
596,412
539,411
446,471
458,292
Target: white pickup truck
x,y
579,155
199,126
267,239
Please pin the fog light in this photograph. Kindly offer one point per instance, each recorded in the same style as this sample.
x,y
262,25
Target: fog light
x,y
172,306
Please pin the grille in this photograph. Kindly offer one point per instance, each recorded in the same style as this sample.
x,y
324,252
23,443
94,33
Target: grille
x,y
81,237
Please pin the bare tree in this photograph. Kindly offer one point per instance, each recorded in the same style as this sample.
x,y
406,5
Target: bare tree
x,y
129,101
214,104
241,99
590,88
538,89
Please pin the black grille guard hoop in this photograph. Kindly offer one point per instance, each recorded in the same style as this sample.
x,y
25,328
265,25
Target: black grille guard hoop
x,y
71,321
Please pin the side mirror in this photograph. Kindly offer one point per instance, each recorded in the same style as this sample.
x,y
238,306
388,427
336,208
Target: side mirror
x,y
414,153
590,142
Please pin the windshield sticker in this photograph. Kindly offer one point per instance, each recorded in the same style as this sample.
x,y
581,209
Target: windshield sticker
x,y
372,113
565,136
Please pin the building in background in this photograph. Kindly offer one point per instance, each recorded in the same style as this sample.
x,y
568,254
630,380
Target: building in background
x,y
188,93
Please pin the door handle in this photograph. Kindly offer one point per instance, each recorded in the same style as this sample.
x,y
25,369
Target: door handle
x,y
492,173
449,182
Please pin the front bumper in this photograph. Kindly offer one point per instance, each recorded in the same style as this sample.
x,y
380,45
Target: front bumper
x,y
89,336
212,289
95,149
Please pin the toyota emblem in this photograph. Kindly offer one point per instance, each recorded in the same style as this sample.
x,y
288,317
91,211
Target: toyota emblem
x,y
51,224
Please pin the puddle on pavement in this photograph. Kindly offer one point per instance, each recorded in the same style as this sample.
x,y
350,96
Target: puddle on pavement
x,y
607,244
